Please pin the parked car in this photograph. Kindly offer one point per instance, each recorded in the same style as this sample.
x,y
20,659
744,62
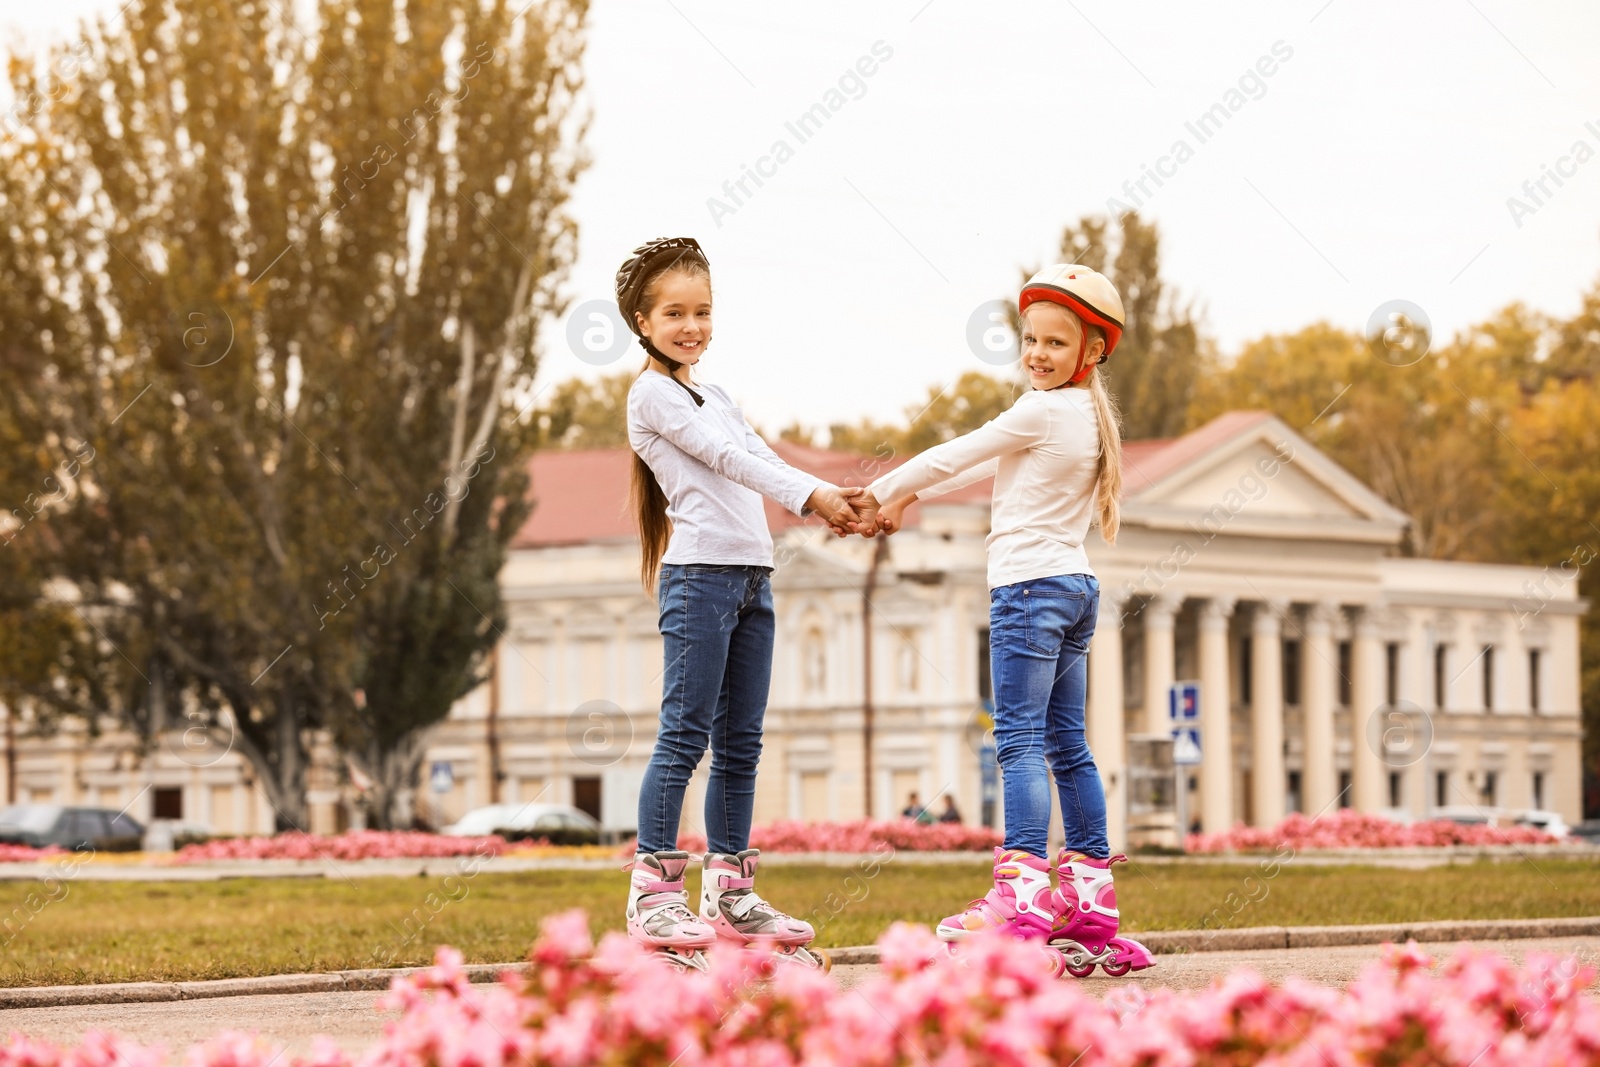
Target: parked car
x,y
42,825
560,824
1550,822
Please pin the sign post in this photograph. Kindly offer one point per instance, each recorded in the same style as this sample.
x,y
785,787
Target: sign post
x,y
1183,711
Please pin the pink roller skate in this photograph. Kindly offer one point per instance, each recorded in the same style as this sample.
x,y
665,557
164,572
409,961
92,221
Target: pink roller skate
x,y
729,905
1019,904
1085,931
659,916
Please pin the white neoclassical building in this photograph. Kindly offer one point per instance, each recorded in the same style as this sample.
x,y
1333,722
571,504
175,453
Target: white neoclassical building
x,y
1330,669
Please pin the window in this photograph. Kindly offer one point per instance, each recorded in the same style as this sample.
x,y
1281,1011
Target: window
x,y
1441,662
1488,677
1490,781
167,803
1441,789
1394,789
1291,673
1538,790
1344,673
1344,789
1294,791
1533,681
1391,673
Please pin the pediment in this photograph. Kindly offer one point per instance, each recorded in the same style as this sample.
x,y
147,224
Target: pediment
x,y
1264,474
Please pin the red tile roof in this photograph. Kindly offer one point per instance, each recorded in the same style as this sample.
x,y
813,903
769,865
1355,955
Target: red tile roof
x,y
582,495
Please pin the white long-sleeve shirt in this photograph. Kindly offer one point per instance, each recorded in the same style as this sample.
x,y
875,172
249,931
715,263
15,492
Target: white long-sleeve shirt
x,y
1043,454
714,470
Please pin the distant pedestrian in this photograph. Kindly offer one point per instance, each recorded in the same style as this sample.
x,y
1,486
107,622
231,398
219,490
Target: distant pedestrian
x,y
914,810
950,814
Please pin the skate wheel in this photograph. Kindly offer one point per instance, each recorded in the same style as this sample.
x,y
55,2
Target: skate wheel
x,y
1081,970
1116,968
1055,962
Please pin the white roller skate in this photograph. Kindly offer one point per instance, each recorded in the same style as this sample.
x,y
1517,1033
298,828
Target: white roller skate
x,y
730,905
659,916
1085,932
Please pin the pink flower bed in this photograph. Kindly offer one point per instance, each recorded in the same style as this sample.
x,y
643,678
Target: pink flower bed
x,y
997,1008
1347,828
24,854
351,845
903,835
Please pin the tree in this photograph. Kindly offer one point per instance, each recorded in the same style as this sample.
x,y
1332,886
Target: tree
x,y
586,414
949,411
279,282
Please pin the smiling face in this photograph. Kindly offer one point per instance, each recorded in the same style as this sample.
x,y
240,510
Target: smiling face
x,y
679,320
1050,338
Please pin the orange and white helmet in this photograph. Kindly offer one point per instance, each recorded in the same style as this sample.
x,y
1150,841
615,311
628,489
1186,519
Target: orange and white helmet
x,y
1087,293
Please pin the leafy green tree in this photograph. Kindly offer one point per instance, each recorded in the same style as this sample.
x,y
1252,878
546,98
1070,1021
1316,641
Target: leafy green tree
x,y
948,412
279,281
581,413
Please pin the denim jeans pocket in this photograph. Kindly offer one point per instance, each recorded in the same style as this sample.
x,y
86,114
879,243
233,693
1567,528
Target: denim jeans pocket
x,y
1048,614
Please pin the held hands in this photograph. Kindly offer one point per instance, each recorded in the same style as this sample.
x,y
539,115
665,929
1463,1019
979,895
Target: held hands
x,y
872,517
833,504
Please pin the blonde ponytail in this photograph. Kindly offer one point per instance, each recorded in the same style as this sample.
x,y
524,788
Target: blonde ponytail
x,y
1108,487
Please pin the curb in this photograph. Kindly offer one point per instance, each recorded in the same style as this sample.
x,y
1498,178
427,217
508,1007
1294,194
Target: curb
x,y
369,980
1165,942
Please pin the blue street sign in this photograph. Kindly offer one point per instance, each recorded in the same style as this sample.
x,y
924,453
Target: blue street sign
x,y
441,776
1186,746
1183,702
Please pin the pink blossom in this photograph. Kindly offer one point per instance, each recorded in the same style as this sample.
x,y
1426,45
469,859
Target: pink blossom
x,y
351,845
1348,828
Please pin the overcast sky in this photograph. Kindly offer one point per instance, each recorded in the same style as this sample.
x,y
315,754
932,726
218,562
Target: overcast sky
x,y
1374,162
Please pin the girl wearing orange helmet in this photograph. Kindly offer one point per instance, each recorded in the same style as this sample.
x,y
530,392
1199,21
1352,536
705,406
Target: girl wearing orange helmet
x,y
1055,458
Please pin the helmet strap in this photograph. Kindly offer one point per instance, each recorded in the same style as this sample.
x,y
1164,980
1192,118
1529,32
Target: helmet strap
x,y
673,367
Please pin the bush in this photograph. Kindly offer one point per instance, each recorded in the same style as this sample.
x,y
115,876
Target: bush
x,y
351,845
1347,828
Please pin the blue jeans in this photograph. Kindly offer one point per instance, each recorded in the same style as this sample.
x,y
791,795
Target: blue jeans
x,y
717,626
1039,634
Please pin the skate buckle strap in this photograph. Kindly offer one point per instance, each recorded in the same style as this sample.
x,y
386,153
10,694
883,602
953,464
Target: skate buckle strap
x,y
727,881
744,905
658,886
1011,870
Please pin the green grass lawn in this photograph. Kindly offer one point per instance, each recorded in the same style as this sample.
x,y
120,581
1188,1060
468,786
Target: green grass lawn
x,y
168,931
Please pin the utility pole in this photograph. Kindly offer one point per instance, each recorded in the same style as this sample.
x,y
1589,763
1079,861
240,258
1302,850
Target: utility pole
x,y
494,724
11,756
880,552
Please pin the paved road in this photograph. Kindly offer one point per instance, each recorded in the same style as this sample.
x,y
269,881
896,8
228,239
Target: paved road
x,y
353,1020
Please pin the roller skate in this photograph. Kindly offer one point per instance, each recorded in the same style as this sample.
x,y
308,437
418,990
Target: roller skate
x,y
659,916
730,906
1085,931
1018,904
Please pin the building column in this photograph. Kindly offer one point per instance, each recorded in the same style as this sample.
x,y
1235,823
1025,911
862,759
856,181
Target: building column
x,y
1266,713
1106,731
1319,778
1366,703
1216,735
1158,659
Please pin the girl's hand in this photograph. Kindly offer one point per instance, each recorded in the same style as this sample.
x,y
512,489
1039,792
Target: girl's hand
x,y
867,508
833,504
891,515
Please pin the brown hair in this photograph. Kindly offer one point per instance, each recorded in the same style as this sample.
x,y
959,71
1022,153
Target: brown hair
x,y
649,502
1108,478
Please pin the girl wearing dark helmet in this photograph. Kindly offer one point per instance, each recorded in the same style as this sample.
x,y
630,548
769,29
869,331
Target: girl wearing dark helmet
x,y
699,475
1056,458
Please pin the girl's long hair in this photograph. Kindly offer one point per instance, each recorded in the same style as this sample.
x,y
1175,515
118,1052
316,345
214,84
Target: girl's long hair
x,y
1108,484
649,502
